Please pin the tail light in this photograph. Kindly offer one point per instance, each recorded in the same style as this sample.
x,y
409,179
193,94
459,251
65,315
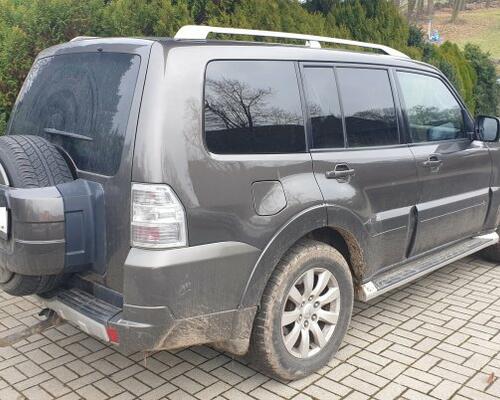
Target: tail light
x,y
158,217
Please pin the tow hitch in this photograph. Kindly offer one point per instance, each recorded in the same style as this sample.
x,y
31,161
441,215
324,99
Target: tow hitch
x,y
51,320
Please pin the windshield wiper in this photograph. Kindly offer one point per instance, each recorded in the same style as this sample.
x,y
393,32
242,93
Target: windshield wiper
x,y
54,131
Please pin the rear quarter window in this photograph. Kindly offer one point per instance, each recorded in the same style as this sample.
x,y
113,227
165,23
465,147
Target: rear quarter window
x,y
253,107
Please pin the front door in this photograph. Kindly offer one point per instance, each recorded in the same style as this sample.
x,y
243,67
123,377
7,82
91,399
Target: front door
x,y
359,162
454,171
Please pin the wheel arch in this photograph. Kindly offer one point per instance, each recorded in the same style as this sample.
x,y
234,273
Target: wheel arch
x,y
347,244
346,233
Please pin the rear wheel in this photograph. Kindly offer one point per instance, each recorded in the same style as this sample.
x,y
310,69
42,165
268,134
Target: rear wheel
x,y
30,162
305,312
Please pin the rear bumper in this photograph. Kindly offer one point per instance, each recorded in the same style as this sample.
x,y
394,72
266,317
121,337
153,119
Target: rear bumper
x,y
95,317
173,298
154,328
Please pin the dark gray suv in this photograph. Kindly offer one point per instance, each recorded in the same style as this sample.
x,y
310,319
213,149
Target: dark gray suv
x,y
161,193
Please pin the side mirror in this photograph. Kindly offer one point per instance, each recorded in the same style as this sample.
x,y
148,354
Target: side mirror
x,y
488,128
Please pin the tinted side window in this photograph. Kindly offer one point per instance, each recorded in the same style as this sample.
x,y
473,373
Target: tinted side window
x,y
432,111
253,107
369,111
324,107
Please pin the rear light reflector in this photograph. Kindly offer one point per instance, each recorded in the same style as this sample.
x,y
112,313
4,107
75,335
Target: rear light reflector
x,y
158,217
113,334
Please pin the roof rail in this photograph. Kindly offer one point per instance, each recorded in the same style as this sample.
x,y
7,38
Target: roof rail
x,y
201,32
78,38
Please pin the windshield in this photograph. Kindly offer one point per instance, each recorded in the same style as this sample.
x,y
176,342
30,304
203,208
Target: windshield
x,y
81,102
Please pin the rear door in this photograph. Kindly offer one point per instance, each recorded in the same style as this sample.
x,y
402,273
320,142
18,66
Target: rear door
x,y
85,99
359,161
454,171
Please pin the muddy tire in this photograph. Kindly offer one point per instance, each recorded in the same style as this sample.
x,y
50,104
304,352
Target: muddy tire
x,y
30,162
310,292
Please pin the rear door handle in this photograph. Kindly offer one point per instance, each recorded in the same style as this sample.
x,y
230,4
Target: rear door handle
x,y
341,171
433,161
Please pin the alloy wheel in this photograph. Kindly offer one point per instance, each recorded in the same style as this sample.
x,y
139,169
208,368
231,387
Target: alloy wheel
x,y
310,313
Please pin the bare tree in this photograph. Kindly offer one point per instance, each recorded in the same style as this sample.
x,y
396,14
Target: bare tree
x,y
458,5
234,104
411,9
420,9
430,8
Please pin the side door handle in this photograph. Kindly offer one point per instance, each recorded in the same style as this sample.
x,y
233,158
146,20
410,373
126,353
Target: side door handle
x,y
433,161
341,171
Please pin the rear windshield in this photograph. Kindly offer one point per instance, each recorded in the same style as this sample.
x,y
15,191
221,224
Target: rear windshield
x,y
80,102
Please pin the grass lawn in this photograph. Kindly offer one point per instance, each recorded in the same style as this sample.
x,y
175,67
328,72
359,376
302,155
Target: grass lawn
x,y
481,27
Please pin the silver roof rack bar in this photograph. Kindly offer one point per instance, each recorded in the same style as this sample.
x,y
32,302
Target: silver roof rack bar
x,y
201,32
78,38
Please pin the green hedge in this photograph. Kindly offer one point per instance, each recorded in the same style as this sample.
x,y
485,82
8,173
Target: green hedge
x,y
452,62
486,92
28,26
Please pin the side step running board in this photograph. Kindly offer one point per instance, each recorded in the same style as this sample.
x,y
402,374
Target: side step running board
x,y
406,273
89,313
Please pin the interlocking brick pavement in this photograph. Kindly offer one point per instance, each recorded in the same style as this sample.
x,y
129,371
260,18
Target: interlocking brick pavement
x,y
438,338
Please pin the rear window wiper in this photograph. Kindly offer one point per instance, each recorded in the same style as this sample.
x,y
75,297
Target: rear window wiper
x,y
54,131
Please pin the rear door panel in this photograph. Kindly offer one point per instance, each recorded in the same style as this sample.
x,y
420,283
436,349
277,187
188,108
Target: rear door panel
x,y
91,154
381,195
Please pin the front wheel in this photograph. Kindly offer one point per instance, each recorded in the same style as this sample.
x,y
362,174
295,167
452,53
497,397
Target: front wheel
x,y
305,312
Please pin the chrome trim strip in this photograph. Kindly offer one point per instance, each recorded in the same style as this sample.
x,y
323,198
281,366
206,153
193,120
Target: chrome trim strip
x,y
42,242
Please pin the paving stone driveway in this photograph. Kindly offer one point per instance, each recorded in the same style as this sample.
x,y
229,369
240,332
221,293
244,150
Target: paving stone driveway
x,y
438,338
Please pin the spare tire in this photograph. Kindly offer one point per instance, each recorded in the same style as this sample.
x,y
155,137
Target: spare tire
x,y
30,162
